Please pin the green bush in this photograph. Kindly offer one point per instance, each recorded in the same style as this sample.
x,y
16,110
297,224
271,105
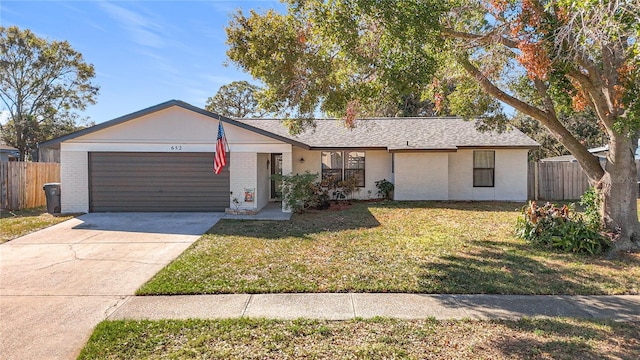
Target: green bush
x,y
298,191
301,191
552,227
591,204
385,188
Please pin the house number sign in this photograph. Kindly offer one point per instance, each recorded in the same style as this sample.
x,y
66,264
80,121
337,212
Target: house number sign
x,y
176,147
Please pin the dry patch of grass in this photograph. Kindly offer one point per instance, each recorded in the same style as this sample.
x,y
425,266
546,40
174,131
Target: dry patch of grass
x,y
420,247
14,224
364,339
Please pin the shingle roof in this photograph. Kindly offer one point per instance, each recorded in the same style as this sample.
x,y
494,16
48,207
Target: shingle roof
x,y
394,134
398,134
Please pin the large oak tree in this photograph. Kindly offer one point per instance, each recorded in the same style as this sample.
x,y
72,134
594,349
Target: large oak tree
x,y
469,56
41,83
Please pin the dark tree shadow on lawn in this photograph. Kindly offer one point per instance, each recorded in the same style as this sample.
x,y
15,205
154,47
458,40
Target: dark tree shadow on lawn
x,y
499,268
555,339
301,225
357,217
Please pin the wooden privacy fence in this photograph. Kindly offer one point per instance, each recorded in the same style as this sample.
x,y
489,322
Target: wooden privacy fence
x,y
558,180
21,183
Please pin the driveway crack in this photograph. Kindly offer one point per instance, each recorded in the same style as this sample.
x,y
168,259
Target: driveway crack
x,y
78,258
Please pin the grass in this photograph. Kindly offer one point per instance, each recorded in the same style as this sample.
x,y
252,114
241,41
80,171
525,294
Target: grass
x,y
14,224
364,339
411,247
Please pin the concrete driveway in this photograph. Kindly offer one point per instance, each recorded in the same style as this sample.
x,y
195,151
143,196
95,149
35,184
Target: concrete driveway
x,y
58,283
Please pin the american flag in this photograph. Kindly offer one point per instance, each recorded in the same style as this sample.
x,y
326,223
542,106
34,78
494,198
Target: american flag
x,y
220,159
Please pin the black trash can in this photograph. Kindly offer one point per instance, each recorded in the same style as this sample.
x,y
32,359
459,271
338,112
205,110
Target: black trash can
x,y
52,191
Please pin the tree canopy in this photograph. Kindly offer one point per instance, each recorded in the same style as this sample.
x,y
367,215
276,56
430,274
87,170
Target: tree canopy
x,y
41,84
349,58
323,58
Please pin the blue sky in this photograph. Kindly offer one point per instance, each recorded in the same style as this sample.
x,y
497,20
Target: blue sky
x,y
144,52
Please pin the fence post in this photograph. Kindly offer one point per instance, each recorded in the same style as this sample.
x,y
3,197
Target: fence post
x,y
536,182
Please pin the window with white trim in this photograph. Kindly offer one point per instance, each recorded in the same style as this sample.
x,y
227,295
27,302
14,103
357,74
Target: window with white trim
x,y
341,165
484,166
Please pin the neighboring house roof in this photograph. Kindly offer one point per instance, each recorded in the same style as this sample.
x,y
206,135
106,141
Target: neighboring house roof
x,y
600,152
566,158
399,134
394,134
9,152
7,148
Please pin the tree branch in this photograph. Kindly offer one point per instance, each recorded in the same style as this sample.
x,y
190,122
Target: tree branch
x,y
549,107
600,104
485,39
590,164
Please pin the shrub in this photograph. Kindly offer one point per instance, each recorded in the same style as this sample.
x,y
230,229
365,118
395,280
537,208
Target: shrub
x,y
591,203
385,188
347,187
301,191
556,228
298,191
330,189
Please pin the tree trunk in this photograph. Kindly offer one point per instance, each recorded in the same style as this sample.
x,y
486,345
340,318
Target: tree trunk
x,y
618,190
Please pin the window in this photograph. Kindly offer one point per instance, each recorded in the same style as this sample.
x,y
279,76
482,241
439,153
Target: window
x,y
484,168
355,166
334,165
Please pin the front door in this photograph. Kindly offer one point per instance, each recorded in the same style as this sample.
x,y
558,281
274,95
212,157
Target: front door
x,y
276,168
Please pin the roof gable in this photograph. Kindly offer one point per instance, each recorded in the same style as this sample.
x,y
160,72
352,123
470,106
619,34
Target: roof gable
x,y
112,125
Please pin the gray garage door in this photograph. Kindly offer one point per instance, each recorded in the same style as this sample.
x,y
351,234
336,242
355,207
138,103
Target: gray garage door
x,y
121,181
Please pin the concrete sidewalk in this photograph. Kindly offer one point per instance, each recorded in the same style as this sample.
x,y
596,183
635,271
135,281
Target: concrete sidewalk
x,y
403,306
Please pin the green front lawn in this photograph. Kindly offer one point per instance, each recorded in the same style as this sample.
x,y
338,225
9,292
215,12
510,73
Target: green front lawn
x,y
364,339
422,247
14,224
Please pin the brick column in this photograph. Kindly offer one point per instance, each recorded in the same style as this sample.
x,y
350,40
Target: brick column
x,y
243,175
74,179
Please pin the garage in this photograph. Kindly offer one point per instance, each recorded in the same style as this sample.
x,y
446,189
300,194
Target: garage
x,y
155,182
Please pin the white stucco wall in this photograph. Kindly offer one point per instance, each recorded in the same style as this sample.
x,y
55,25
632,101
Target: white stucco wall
x,y
74,180
312,161
461,175
173,130
510,176
377,167
287,169
421,176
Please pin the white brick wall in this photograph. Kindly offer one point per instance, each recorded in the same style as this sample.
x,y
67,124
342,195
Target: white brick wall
x,y
243,176
74,179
